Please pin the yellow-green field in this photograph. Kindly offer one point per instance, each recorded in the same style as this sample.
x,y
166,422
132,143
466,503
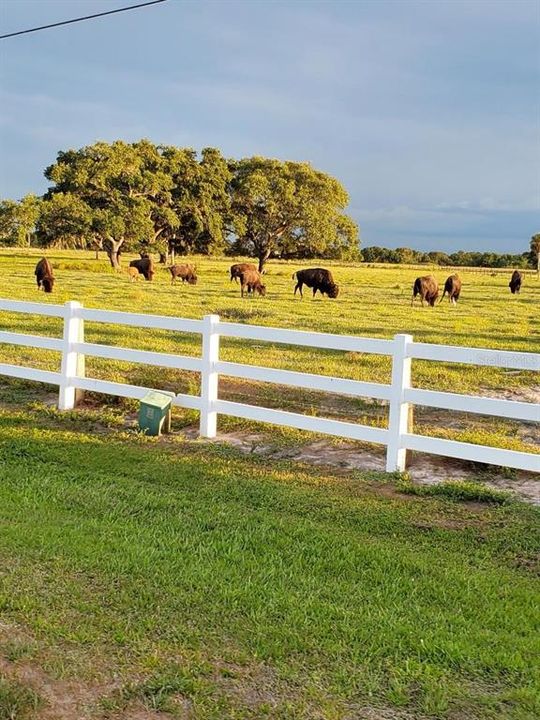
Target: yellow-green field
x,y
373,302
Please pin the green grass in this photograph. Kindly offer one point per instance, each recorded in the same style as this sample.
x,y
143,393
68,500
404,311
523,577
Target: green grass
x,y
194,575
458,490
374,302
17,702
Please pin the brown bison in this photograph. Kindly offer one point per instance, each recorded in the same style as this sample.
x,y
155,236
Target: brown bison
x,y
318,279
185,272
145,266
239,268
133,274
251,280
428,289
44,275
452,286
515,282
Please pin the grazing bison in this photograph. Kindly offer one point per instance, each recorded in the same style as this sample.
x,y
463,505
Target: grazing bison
x,y
44,275
428,289
452,286
515,282
318,279
145,266
185,272
251,280
133,274
239,268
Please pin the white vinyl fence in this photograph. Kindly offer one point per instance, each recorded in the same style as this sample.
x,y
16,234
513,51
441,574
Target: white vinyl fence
x,y
399,394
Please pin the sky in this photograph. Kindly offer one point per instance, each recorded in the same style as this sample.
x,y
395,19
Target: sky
x,y
427,112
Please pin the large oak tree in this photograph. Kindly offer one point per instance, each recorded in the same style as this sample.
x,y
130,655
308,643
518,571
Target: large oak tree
x,y
289,208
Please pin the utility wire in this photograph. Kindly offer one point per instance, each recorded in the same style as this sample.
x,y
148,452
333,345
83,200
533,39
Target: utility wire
x,y
80,19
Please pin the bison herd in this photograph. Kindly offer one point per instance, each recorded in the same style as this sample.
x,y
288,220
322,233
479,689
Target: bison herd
x,y
427,288
319,280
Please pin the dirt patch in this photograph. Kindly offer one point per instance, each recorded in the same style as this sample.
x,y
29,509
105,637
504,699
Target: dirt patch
x,y
250,686
521,394
76,700
62,699
423,469
374,713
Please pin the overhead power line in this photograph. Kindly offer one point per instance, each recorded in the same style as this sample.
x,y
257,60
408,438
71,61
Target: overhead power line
x,y
80,19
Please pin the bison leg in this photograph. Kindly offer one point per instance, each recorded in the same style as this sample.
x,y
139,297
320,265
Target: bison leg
x,y
314,291
299,287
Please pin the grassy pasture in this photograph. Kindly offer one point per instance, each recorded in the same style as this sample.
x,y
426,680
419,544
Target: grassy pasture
x,y
184,578
374,302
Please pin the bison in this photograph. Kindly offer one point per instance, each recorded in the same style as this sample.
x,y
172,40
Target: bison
x,y
251,280
428,289
145,266
515,282
44,275
318,279
133,274
185,272
452,286
239,268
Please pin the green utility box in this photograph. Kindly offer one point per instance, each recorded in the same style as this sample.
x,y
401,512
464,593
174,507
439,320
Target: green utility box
x,y
155,413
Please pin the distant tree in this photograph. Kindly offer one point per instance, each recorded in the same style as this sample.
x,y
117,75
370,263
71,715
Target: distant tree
x,y
200,200
18,220
437,257
121,184
375,254
64,221
407,256
282,207
535,252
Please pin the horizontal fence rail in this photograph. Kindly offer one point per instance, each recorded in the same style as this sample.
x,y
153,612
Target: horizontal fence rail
x,y
399,394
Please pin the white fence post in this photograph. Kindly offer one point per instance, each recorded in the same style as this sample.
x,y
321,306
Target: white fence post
x,y
72,363
398,416
209,376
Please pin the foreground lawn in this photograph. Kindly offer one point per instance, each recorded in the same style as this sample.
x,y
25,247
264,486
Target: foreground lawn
x,y
205,584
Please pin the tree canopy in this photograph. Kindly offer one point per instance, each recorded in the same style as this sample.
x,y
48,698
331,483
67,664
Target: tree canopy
x,y
159,198
289,209
18,220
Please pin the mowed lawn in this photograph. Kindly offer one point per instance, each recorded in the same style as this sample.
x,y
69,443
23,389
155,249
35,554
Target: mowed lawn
x,y
374,302
185,578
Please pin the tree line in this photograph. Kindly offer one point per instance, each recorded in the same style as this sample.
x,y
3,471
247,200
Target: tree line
x,y
124,197
461,258
142,197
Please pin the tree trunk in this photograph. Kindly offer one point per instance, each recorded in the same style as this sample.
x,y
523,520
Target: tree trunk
x,y
263,257
162,258
113,252
98,246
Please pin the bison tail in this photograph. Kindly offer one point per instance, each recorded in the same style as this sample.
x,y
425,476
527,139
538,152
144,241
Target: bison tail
x,y
294,275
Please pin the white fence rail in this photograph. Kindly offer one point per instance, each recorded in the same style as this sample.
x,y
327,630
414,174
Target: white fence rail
x,y
400,395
